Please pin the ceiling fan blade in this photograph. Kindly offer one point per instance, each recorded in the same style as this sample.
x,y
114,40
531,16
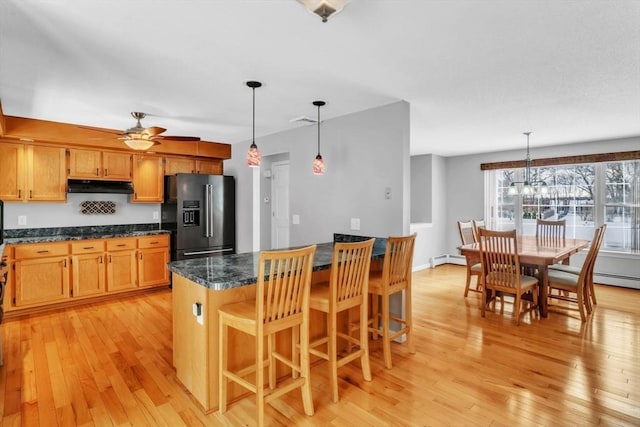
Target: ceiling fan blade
x,y
152,131
115,132
180,138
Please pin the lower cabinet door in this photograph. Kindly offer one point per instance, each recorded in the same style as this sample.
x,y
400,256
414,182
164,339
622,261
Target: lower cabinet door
x,y
121,270
41,280
152,266
88,274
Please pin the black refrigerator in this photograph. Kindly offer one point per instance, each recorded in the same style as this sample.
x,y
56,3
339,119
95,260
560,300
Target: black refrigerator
x,y
200,212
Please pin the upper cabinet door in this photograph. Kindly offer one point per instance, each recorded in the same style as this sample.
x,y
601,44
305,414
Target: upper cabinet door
x,y
174,165
12,165
85,163
116,165
93,164
46,178
148,179
209,167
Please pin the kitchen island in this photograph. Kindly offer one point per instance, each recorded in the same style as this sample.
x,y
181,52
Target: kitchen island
x,y
200,287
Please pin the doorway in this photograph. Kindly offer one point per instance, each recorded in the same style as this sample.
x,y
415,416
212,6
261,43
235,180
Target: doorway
x,y
280,205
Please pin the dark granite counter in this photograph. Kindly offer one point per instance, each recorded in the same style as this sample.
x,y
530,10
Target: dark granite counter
x,y
44,235
231,271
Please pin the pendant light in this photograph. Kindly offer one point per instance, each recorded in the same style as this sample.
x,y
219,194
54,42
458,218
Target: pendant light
x,y
318,164
253,155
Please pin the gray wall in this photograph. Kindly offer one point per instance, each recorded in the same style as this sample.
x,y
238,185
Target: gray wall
x,y
67,214
465,181
365,153
421,182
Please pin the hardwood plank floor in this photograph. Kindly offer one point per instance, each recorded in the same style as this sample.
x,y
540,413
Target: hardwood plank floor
x,y
111,364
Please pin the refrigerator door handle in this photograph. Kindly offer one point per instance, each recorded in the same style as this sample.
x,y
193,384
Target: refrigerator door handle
x,y
216,251
208,210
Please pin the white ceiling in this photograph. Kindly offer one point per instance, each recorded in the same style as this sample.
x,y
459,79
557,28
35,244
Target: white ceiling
x,y
477,73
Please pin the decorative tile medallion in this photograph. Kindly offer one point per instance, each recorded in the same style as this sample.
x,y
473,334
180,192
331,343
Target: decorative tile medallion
x,y
97,208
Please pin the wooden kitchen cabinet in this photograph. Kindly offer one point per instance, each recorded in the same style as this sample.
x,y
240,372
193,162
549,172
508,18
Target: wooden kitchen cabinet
x,y
88,272
153,256
122,268
174,165
41,274
13,167
46,180
148,179
209,167
32,173
91,164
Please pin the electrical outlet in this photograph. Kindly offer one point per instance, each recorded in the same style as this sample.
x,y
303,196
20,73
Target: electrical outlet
x,y
156,215
355,223
22,220
387,193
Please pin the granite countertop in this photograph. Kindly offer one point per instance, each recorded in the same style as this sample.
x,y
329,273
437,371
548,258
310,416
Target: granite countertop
x,y
45,235
231,271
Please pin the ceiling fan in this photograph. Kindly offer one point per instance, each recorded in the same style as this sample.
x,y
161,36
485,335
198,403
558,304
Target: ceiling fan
x,y
139,137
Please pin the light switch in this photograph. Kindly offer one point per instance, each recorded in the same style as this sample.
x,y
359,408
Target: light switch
x,y
22,220
295,219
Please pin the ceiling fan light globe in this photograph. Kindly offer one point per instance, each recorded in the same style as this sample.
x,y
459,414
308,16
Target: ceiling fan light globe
x,y
139,144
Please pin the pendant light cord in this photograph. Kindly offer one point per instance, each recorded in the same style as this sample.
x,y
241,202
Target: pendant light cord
x,y
254,116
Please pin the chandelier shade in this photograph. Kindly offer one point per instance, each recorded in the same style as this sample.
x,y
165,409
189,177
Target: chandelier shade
x,y
253,155
318,166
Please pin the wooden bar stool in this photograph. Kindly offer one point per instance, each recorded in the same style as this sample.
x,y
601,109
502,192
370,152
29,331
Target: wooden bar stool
x,y
394,278
347,290
282,302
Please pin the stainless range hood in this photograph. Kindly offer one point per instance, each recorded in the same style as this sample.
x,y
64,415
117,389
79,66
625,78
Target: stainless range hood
x,y
96,186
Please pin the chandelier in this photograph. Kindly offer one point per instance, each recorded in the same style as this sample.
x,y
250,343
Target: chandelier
x,y
528,187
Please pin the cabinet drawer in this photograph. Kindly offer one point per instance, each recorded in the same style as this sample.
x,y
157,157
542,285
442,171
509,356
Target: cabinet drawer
x,y
87,247
157,241
121,244
39,250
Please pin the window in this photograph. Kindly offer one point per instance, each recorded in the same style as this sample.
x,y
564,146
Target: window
x,y
585,195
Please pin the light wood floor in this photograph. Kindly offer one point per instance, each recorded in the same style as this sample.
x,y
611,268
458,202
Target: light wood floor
x,y
110,364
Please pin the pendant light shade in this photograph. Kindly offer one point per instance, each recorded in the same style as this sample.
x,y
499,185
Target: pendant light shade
x,y
318,163
253,155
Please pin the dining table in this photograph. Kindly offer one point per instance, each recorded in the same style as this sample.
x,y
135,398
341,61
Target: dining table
x,y
541,253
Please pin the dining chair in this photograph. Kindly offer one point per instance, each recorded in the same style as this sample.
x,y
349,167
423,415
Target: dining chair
x,y
281,303
550,232
347,289
477,223
501,270
467,234
394,278
576,285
